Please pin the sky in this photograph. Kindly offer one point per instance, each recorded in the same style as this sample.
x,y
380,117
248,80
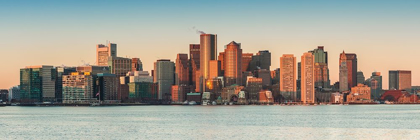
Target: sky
x,y
384,34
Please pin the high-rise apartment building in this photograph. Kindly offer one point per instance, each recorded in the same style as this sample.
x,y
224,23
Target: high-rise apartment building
x,y
103,52
307,78
400,79
164,75
208,51
288,77
233,64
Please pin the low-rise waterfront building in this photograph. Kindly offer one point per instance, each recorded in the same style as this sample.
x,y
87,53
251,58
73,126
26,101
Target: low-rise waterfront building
x,y
359,93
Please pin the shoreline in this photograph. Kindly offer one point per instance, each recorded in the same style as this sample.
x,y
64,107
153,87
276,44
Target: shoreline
x,y
148,104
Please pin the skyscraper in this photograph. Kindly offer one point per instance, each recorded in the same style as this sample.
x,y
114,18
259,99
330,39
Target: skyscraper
x,y
136,64
181,78
308,79
119,65
375,83
262,60
103,52
194,64
246,60
181,70
322,77
221,58
214,69
208,51
400,79
351,64
164,76
233,64
288,77
360,77
37,84
343,75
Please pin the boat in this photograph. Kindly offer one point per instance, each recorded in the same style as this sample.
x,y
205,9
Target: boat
x,y
225,103
14,104
192,103
230,103
95,104
185,103
214,103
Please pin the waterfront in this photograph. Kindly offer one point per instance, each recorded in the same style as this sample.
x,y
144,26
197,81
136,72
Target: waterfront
x,y
212,122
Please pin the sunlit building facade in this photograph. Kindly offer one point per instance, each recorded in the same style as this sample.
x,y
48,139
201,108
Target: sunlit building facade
x,y
307,78
233,64
208,51
288,77
103,52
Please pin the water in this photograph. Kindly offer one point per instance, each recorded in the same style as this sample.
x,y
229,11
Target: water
x,y
212,122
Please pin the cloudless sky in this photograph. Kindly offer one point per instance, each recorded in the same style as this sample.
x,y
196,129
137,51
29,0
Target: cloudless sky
x,y
384,34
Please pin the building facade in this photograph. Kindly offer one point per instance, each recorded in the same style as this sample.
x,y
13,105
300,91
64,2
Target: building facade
x,y
37,84
79,88
60,71
208,51
400,79
136,64
308,79
350,61
288,77
360,77
359,94
164,76
108,87
103,52
194,64
233,64
253,87
119,65
246,61
262,60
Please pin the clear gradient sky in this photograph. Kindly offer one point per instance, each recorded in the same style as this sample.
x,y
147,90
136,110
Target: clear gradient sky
x,y
384,34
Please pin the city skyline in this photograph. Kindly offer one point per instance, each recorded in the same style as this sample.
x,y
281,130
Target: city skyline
x,y
381,43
